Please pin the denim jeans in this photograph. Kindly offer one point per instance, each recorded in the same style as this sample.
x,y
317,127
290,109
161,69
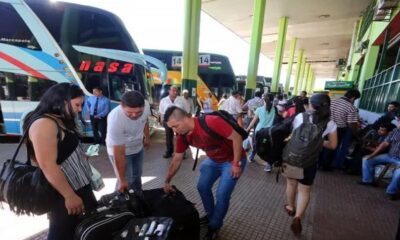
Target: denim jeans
x,y
210,171
368,167
133,170
345,136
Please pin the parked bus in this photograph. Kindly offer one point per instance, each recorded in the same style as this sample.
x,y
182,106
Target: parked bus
x,y
215,73
43,43
263,84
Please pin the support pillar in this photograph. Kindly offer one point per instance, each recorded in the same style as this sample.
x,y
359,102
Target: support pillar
x,y
298,68
191,46
305,77
309,80
301,76
279,50
255,45
290,63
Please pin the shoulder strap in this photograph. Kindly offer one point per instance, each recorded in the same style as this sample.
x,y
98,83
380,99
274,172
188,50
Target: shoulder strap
x,y
306,118
203,124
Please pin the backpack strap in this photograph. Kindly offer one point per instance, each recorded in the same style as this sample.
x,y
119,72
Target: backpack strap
x,y
209,131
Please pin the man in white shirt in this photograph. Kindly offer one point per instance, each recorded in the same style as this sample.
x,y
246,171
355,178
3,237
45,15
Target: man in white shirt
x,y
187,101
127,134
165,103
232,105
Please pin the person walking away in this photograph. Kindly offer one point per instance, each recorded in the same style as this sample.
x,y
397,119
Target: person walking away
x,y
207,103
232,105
225,161
54,146
320,113
265,116
251,106
165,103
99,106
222,101
127,135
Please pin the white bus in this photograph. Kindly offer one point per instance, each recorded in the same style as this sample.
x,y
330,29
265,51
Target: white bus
x,y
43,43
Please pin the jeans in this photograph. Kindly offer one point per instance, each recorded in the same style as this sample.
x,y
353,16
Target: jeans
x,y
368,167
210,171
61,225
345,136
133,170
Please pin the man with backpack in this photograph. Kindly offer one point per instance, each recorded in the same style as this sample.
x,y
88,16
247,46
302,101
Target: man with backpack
x,y
221,138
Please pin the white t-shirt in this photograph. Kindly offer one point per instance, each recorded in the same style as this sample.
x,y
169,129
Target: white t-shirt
x,y
166,102
121,130
232,105
330,127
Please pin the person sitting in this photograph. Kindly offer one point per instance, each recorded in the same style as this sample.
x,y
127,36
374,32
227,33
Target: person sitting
x,y
368,145
393,112
392,157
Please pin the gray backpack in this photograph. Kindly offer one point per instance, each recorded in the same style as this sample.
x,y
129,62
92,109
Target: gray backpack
x,y
305,144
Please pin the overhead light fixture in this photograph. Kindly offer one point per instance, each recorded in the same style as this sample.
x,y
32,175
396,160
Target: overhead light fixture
x,y
324,16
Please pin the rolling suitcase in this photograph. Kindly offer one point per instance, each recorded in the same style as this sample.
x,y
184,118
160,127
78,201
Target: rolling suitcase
x,y
154,228
186,225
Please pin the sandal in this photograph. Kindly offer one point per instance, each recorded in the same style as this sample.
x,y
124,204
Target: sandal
x,y
291,213
296,226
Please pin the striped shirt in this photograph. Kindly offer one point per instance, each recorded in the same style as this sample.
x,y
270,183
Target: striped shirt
x,y
394,140
76,169
343,112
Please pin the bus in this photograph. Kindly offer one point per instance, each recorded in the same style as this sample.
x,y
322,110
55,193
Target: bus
x,y
215,74
43,43
263,84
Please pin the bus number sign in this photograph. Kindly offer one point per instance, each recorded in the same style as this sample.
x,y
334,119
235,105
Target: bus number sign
x,y
204,60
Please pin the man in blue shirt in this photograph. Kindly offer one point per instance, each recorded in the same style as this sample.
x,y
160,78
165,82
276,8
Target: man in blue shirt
x,y
99,107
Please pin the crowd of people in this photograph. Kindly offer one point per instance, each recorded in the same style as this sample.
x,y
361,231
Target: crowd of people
x,y
55,146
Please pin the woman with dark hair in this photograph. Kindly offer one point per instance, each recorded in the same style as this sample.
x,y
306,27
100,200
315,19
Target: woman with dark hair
x,y
265,116
53,145
296,108
319,112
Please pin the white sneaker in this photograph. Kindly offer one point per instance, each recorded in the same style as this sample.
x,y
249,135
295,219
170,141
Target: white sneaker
x,y
268,168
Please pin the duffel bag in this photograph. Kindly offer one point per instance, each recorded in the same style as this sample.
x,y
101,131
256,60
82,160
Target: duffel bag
x,y
186,225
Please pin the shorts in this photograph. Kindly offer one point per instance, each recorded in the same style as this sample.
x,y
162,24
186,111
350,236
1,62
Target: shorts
x,y
309,175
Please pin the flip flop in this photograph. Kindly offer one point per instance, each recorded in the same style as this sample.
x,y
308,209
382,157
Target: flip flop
x,y
291,213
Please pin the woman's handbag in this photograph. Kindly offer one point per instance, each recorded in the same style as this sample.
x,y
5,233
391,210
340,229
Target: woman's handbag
x,y
25,188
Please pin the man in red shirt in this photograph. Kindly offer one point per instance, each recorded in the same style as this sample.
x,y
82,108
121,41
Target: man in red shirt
x,y
225,160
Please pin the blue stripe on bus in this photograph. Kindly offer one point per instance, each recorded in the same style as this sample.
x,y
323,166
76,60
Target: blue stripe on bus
x,y
47,59
12,127
12,115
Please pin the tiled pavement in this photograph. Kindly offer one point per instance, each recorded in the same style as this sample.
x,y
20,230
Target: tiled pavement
x,y
339,208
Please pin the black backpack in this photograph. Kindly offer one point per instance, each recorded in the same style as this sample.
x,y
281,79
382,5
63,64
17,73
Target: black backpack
x,y
270,141
228,118
305,144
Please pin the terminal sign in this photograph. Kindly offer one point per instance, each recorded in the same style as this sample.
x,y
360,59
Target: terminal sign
x,y
204,60
101,66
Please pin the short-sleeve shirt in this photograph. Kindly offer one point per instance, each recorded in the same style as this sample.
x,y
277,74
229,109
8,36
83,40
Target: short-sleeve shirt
x,y
216,149
330,127
121,130
343,112
394,140
266,119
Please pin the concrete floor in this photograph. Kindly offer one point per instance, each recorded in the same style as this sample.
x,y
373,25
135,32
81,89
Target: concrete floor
x,y
339,208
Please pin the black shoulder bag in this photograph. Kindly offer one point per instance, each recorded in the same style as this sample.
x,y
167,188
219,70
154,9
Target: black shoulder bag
x,y
24,187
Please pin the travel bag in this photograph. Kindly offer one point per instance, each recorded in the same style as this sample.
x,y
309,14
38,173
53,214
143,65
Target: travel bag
x,y
154,228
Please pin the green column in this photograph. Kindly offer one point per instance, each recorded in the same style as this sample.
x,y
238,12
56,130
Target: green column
x,y
312,82
301,77
298,68
368,66
309,80
305,77
290,63
191,46
255,44
280,48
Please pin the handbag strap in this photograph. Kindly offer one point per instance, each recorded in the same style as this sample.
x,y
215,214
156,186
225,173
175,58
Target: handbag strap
x,y
19,146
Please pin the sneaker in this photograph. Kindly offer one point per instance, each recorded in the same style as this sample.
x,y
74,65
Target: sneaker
x,y
374,184
392,197
204,220
212,234
268,168
167,155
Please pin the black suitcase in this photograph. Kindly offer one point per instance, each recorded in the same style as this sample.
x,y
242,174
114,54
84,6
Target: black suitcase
x,y
102,224
186,225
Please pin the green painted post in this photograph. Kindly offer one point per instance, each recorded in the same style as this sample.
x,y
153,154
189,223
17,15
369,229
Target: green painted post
x,y
255,45
368,67
298,68
290,63
309,80
191,46
305,77
280,48
301,77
